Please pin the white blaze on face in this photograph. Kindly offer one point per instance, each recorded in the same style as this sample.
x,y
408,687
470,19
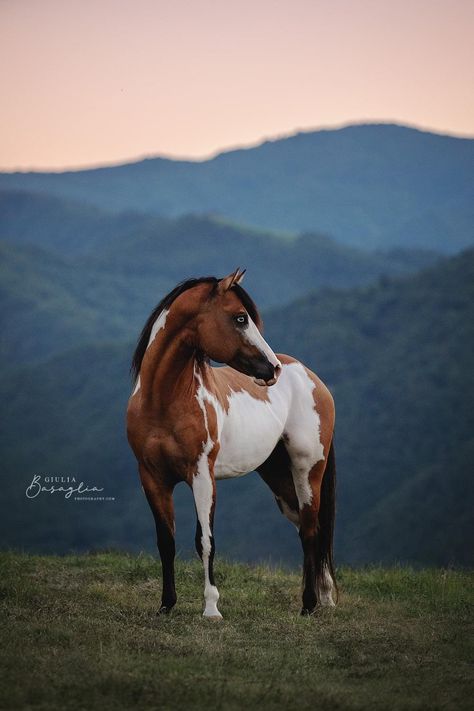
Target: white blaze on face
x,y
157,326
255,338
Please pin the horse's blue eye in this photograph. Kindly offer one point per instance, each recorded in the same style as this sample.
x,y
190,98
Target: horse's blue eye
x,y
242,319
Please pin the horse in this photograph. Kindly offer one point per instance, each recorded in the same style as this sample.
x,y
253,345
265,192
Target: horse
x,y
190,421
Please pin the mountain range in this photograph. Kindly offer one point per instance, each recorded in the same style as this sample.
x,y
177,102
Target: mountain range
x,y
367,185
69,275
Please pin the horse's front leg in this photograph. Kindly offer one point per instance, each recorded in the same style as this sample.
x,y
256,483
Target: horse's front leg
x,y
159,493
204,491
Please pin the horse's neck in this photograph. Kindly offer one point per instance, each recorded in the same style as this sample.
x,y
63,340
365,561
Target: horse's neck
x,y
168,372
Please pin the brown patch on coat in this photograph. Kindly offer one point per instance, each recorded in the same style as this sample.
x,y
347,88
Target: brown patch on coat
x,y
228,381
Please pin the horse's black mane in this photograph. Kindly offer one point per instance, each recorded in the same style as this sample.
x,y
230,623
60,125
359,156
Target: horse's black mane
x,y
166,302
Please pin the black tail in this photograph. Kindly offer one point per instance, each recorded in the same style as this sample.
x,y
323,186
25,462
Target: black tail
x,y
327,515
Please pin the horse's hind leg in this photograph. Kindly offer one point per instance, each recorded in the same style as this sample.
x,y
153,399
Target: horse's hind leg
x,y
276,473
160,497
295,481
316,522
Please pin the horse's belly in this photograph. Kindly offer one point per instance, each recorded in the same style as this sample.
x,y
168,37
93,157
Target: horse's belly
x,y
249,432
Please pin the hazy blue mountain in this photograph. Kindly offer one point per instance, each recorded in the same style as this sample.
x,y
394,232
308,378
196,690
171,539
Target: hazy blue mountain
x,y
69,275
376,185
278,268
49,304
63,225
398,357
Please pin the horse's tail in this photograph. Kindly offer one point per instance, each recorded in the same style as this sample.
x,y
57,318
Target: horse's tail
x,y
327,515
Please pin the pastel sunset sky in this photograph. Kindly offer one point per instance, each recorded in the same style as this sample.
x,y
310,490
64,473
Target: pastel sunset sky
x,y
85,82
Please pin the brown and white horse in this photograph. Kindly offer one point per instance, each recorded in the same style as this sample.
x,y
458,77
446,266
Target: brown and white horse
x,y
188,421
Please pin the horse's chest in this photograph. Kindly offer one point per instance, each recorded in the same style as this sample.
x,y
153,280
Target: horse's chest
x,y
248,433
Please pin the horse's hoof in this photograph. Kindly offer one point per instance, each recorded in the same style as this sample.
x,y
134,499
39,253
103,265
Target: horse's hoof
x,y
213,618
307,613
164,610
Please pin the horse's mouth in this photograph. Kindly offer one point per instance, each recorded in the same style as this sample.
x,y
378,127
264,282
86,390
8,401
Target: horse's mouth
x,y
265,383
262,372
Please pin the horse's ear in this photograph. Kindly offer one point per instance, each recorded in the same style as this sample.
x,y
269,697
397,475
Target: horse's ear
x,y
240,276
229,281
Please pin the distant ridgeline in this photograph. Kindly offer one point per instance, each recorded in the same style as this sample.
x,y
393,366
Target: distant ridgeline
x,y
390,331
375,185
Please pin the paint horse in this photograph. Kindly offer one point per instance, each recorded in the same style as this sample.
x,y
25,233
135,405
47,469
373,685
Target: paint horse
x,y
188,421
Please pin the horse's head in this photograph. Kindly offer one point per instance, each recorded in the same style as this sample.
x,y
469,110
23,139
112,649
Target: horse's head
x,y
229,332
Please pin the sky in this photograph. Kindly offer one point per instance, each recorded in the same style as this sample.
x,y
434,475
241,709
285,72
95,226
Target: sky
x,y
88,82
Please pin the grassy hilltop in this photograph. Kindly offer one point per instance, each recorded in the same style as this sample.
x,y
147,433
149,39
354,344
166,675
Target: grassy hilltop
x,y
80,632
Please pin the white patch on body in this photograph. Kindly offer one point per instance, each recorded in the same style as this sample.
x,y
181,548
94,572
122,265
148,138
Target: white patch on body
x,y
252,335
251,428
250,432
303,437
157,326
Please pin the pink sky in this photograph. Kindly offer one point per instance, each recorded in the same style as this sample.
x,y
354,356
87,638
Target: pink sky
x,y
94,81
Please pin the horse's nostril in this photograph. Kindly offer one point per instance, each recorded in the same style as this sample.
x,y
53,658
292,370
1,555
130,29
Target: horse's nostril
x,y
264,370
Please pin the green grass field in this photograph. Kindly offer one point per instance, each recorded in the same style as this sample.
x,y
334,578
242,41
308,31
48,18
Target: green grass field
x,y
81,632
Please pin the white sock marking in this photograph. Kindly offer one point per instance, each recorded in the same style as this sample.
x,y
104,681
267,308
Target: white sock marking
x,y
202,491
325,589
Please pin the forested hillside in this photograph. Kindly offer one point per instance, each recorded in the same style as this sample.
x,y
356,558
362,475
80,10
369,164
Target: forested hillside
x,y
396,355
70,275
366,185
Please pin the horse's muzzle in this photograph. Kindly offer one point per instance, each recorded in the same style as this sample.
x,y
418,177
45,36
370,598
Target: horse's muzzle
x,y
266,374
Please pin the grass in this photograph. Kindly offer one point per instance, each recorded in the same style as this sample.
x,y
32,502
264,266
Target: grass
x,y
81,632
